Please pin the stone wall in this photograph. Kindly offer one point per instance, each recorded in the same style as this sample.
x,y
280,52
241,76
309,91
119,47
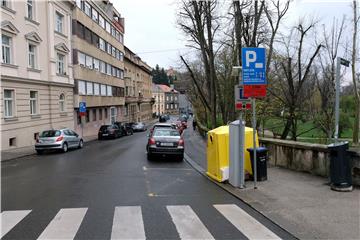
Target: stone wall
x,y
306,157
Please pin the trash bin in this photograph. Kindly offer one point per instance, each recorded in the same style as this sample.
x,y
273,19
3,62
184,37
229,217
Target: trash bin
x,y
261,162
340,169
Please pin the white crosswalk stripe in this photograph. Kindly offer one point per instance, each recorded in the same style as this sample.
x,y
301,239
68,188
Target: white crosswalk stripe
x,y
245,223
187,223
128,223
9,219
65,224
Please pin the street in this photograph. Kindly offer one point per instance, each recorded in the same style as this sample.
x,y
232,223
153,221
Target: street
x,y
109,189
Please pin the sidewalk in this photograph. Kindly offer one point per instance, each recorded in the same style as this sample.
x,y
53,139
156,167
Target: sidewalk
x,y
301,203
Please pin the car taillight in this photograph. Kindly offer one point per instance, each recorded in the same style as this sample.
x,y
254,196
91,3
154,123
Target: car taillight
x,y
181,142
59,139
152,141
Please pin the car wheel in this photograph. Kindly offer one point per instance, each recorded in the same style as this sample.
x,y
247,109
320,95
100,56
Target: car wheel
x,y
149,156
65,147
39,152
81,143
180,158
99,138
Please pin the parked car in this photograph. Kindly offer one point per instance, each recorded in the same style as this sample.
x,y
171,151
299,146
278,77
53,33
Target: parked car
x,y
165,142
139,127
125,129
167,116
62,139
162,118
109,131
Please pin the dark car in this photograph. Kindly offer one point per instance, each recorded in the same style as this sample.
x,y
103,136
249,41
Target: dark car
x,y
165,142
162,118
125,129
109,131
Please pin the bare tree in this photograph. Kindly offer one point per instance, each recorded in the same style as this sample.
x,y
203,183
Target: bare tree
x,y
197,21
293,77
325,76
356,19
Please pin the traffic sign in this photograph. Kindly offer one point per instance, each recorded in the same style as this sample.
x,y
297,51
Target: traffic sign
x,y
239,93
243,105
254,91
82,106
344,62
253,66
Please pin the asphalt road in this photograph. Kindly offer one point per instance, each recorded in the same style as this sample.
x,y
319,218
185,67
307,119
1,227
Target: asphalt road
x,y
108,189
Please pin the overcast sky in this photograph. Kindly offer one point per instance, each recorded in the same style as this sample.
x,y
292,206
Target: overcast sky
x,y
151,32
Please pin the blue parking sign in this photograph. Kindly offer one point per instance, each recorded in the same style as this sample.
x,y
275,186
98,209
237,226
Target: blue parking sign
x,y
82,107
253,66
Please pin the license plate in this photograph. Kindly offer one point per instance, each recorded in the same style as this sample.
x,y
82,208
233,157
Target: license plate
x,y
105,134
166,144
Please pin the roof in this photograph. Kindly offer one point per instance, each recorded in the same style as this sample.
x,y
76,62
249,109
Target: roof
x,y
166,88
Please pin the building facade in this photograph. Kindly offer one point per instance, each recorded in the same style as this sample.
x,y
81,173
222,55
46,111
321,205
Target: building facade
x,y
138,88
36,70
159,100
98,56
171,99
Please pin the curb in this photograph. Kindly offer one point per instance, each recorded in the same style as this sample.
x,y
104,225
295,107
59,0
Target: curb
x,y
228,189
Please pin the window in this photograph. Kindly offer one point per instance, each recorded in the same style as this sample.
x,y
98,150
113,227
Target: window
x,y
95,39
62,102
33,102
108,48
121,56
167,98
108,69
12,142
103,90
89,88
114,71
171,106
121,74
100,114
59,22
96,64
30,9
102,44
5,3
175,98
94,114
112,29
176,106
81,87
60,64
32,53
95,15
109,91
113,51
78,3
106,113
81,59
167,106
96,89
107,26
101,21
87,9
87,118
9,103
6,49
87,35
89,62
102,67
121,38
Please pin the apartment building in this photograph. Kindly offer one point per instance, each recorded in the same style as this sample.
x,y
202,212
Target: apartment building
x,y
171,104
36,70
159,100
98,56
138,88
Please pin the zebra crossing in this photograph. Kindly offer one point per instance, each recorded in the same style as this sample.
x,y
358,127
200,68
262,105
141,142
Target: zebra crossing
x,y
128,222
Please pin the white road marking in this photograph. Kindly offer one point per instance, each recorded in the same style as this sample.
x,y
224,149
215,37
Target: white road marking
x,y
65,224
187,223
9,219
128,223
245,223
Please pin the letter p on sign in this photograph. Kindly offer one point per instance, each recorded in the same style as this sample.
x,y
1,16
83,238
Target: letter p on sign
x,y
250,57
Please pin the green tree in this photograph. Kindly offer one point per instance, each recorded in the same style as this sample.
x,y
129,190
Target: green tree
x,y
159,76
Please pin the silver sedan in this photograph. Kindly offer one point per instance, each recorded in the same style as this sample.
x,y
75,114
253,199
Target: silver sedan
x,y
62,139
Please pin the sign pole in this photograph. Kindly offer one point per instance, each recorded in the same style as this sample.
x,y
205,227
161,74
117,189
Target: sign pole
x,y
337,96
254,141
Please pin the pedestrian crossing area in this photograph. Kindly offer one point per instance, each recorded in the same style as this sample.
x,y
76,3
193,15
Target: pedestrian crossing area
x,y
128,222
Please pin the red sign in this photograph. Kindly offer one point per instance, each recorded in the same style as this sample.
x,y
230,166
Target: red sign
x,y
255,91
82,114
242,105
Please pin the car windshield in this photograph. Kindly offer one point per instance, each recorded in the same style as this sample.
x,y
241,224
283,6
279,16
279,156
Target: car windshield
x,y
163,132
50,133
105,127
